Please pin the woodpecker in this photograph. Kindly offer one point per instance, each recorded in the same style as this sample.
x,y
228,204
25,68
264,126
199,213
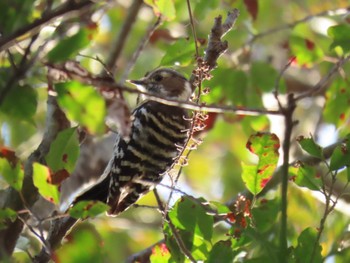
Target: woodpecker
x,y
158,133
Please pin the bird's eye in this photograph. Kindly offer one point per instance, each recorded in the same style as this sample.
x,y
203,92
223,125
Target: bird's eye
x,y
158,78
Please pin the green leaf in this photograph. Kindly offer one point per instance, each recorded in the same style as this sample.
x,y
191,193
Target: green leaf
x,y
337,109
180,54
305,50
341,155
164,8
310,146
265,146
83,104
13,174
41,180
265,214
6,214
263,76
190,215
69,47
85,209
64,151
306,247
20,103
220,208
304,176
194,226
233,86
237,90
221,252
160,254
85,245
340,34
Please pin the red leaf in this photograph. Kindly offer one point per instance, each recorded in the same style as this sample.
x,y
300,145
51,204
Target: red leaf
x,y
252,7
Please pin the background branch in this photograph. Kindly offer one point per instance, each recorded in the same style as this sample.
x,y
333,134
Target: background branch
x,y
67,9
120,40
320,87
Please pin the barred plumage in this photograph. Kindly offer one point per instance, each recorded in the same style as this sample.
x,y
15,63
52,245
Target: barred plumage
x,y
158,132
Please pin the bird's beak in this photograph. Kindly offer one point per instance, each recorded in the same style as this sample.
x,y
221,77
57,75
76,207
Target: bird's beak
x,y
139,82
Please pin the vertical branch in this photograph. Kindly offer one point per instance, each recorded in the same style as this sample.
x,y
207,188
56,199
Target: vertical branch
x,y
288,120
120,40
192,27
58,230
138,51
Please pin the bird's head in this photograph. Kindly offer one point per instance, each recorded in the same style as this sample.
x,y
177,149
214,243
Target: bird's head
x,y
165,82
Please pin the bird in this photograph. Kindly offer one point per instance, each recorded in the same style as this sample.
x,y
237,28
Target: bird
x,y
158,134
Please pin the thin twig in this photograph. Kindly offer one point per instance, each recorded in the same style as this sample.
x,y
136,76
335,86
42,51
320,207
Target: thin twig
x,y
328,208
32,230
280,75
120,40
320,86
193,27
139,49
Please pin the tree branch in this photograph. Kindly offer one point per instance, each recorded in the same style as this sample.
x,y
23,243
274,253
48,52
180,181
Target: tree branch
x,y
139,49
215,46
58,230
120,40
289,124
65,9
319,88
108,85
